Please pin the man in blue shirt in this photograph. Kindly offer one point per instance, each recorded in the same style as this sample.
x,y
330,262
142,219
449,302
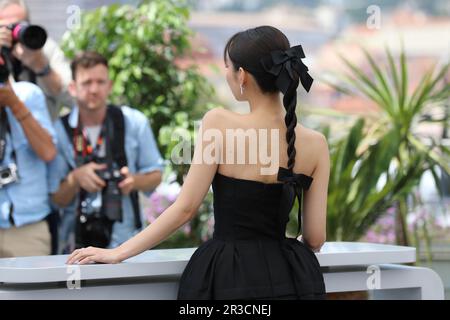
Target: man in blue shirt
x,y
83,147
28,141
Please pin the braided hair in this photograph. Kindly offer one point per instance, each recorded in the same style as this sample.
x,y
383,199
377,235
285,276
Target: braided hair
x,y
290,104
260,51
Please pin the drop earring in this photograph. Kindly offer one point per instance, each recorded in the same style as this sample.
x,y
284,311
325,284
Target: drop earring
x,y
242,89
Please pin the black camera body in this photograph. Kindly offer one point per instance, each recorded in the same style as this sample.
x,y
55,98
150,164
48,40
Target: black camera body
x,y
111,194
110,174
93,230
98,212
8,175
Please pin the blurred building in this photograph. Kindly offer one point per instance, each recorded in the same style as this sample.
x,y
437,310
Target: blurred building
x,y
54,14
426,42
310,28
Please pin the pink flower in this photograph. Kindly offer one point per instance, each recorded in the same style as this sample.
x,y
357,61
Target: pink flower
x,y
172,197
162,198
371,236
383,231
391,211
187,229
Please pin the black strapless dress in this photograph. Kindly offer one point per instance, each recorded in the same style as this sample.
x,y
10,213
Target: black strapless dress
x,y
249,256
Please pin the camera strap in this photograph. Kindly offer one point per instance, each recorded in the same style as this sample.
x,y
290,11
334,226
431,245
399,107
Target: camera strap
x,y
22,73
109,138
116,133
4,129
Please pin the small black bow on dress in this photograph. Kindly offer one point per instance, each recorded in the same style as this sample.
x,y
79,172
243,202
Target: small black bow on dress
x,y
293,186
283,64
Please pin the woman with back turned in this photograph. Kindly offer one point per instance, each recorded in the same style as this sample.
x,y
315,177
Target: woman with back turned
x,y
249,256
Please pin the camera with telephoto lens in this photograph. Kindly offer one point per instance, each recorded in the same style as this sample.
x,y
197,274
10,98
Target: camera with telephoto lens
x,y
8,175
31,36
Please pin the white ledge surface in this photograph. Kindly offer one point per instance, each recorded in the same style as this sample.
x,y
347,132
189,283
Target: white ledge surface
x,y
171,262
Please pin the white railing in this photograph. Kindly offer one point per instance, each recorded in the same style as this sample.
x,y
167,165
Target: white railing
x,y
347,266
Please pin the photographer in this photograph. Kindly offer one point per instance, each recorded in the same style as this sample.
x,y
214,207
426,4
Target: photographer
x,y
106,154
26,145
46,67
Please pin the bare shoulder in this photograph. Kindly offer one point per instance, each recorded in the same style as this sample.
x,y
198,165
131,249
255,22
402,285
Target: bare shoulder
x,y
315,137
313,141
218,118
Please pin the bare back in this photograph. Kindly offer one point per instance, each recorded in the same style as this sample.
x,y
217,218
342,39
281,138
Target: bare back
x,y
264,138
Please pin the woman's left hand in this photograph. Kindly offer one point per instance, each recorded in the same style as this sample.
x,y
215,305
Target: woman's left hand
x,y
93,254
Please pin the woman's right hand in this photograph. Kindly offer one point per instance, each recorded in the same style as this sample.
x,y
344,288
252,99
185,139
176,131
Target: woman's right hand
x,y
93,254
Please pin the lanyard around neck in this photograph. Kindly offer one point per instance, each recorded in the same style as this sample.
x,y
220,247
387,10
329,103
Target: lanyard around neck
x,y
83,148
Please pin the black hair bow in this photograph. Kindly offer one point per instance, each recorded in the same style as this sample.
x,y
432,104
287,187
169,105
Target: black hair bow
x,y
283,64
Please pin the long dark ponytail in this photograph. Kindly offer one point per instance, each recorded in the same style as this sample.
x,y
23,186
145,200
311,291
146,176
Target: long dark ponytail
x,y
265,53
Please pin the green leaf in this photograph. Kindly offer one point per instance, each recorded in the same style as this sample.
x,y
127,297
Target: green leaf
x,y
403,80
384,89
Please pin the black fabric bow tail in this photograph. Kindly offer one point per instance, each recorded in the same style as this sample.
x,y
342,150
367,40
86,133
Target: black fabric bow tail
x,y
293,187
283,65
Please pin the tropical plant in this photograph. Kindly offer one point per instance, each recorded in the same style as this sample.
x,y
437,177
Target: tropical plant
x,y
376,167
364,183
